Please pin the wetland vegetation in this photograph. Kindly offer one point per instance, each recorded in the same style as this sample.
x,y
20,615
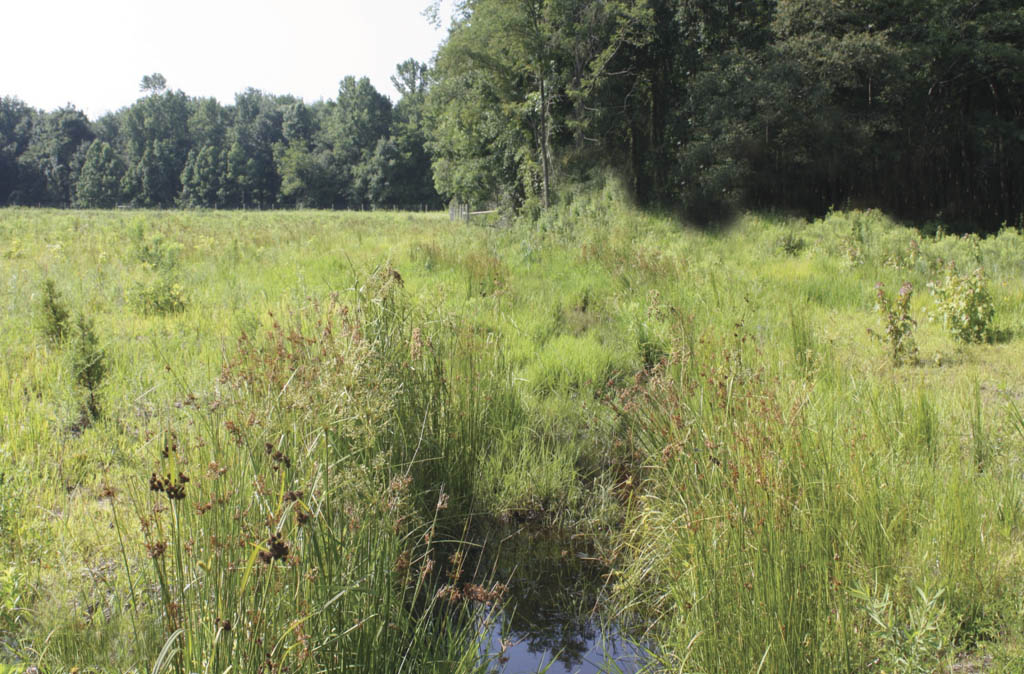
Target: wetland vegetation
x,y
287,441
640,406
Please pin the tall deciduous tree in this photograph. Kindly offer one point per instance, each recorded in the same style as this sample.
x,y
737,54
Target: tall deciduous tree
x,y
401,163
156,144
204,178
48,168
519,84
16,120
99,181
485,148
362,116
252,173
153,84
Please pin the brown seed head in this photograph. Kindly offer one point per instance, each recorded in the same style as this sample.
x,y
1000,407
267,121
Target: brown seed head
x,y
156,550
276,549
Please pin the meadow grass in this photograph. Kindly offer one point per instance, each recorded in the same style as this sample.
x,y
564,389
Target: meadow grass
x,y
303,417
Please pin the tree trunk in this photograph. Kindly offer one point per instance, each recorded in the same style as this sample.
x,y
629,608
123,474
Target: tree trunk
x,y
544,140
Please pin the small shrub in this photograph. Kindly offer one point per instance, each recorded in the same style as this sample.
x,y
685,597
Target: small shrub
x,y
155,250
88,363
790,244
912,641
857,232
648,333
899,326
854,255
973,242
965,305
161,297
649,347
53,313
904,256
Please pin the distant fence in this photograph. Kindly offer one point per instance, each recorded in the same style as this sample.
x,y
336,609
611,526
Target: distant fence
x,y
457,211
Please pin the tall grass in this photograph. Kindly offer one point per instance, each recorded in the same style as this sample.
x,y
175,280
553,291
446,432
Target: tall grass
x,y
282,517
307,419
769,524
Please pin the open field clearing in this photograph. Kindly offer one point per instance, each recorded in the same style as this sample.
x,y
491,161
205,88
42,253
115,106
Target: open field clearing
x,y
291,441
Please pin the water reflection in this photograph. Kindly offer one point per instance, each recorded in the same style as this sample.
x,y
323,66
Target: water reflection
x,y
550,621
582,649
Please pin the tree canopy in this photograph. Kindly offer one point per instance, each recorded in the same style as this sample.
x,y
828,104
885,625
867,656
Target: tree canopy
x,y
262,151
912,106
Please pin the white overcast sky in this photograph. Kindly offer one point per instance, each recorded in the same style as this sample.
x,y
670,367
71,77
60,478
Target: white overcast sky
x,y
93,54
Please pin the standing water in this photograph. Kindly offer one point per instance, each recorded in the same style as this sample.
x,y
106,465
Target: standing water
x,y
551,619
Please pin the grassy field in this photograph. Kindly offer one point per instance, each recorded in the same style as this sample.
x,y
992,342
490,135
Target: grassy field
x,y
269,441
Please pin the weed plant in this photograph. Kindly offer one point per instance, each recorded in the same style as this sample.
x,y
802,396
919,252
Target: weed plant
x,y
965,305
899,325
162,296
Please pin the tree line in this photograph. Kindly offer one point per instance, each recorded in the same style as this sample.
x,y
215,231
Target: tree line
x,y
264,151
913,106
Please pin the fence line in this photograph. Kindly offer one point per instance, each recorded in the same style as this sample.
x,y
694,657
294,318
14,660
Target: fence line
x,y
457,211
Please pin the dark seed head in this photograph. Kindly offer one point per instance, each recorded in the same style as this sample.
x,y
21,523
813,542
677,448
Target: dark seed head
x,y
276,549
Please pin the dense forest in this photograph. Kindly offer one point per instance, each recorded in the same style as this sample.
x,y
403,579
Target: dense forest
x,y
912,106
264,151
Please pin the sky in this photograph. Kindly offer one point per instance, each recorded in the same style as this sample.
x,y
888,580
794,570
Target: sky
x,y
94,54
